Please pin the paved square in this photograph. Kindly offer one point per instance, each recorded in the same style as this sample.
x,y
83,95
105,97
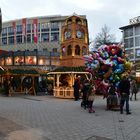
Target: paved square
x,y
49,118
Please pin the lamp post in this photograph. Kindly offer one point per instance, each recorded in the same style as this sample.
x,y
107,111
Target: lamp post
x,y
50,63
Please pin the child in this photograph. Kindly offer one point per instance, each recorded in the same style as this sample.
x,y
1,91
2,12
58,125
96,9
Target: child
x,y
112,98
91,96
84,90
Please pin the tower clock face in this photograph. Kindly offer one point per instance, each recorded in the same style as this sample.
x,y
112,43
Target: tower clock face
x,y
67,34
79,34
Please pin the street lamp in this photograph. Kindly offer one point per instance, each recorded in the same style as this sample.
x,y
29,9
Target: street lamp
x,y
50,63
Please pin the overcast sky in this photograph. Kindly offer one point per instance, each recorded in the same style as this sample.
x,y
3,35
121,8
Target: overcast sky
x,y
113,13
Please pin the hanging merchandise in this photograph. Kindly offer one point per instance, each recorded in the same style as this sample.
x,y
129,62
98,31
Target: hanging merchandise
x,y
107,65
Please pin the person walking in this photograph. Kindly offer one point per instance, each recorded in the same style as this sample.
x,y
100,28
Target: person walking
x,y
91,97
124,88
111,96
84,91
76,87
134,89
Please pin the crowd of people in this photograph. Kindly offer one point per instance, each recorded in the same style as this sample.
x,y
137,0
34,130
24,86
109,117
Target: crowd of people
x,y
116,97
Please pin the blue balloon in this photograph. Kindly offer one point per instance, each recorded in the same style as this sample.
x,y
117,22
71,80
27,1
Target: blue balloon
x,y
111,78
115,62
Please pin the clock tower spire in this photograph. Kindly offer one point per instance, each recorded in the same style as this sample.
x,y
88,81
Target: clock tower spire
x,y
74,41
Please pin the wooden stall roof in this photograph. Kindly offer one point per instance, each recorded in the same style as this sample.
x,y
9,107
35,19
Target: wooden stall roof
x,y
67,70
70,69
21,71
2,71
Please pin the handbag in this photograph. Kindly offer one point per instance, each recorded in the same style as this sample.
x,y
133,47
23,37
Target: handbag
x,y
91,98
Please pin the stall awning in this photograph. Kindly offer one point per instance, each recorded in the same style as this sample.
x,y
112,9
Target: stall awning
x,y
20,71
23,71
70,69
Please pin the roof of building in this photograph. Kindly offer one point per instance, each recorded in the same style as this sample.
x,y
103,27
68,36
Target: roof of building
x,y
129,26
48,17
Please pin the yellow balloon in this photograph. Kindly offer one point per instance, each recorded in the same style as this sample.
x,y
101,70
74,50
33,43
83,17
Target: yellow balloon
x,y
127,65
124,74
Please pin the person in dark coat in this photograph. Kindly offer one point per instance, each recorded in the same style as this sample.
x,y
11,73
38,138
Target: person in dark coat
x,y
84,90
134,89
124,88
76,87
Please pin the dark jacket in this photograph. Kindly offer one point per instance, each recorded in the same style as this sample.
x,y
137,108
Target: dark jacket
x,y
85,89
124,86
112,90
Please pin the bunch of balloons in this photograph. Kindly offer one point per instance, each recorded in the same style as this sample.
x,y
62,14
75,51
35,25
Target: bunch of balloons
x,y
108,63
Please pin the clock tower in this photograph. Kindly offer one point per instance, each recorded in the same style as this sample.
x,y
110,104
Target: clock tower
x,y
74,41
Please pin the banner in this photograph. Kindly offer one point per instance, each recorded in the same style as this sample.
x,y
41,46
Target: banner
x,y
35,30
14,28
24,27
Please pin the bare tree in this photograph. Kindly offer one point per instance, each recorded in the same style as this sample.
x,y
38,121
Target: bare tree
x,y
104,37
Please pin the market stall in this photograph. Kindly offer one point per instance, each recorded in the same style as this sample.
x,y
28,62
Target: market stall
x,y
19,80
64,80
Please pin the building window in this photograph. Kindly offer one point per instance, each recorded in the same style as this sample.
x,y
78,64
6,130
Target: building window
x,y
69,51
11,40
10,31
4,41
54,36
54,25
45,50
69,21
38,27
19,29
137,41
30,60
4,32
128,43
45,27
128,32
55,29
77,50
78,21
44,37
19,39
84,50
138,53
54,50
130,54
39,40
18,60
29,38
137,30
28,28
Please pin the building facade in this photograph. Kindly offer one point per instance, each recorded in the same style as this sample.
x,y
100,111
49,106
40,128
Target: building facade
x,y
32,41
131,41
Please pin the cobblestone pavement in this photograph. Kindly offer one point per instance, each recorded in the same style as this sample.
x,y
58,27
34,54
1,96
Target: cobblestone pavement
x,y
49,118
